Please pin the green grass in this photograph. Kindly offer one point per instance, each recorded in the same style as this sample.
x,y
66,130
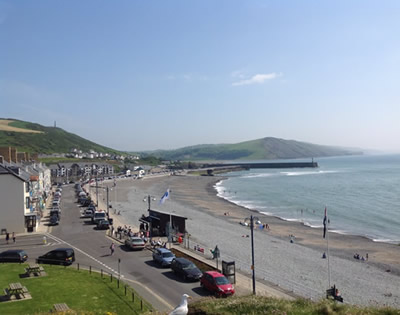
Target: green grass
x,y
83,292
52,140
260,149
252,305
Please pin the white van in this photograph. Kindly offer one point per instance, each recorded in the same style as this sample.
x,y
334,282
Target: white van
x,y
98,216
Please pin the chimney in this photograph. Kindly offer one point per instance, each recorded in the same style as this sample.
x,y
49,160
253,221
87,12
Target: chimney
x,y
14,155
6,153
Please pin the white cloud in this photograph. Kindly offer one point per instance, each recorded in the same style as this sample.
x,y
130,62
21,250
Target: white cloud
x,y
256,79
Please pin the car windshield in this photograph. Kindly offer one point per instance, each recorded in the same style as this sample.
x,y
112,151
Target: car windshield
x,y
189,267
221,280
137,241
167,255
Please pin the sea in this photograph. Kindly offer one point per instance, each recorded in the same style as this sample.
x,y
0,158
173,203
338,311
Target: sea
x,y
361,194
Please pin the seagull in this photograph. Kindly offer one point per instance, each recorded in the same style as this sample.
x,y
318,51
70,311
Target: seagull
x,y
182,308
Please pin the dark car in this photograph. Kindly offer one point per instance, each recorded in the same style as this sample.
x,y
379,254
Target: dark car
x,y
103,225
13,255
54,219
59,256
217,283
186,269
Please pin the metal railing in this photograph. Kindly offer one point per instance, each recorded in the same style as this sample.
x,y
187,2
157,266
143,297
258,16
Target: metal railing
x,y
114,280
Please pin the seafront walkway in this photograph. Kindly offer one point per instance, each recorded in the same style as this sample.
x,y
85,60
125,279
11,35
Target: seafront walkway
x,y
244,284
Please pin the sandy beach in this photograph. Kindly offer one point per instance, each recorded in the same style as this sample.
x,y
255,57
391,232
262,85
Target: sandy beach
x,y
294,266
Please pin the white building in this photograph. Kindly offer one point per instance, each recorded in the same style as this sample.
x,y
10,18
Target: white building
x,y
16,214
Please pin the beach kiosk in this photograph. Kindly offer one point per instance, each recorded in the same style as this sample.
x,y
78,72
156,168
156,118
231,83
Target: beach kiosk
x,y
157,223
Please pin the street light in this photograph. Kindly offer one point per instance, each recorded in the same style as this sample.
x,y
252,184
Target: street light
x,y
106,188
148,198
252,218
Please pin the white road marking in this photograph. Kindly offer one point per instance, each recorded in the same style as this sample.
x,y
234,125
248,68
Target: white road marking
x,y
84,253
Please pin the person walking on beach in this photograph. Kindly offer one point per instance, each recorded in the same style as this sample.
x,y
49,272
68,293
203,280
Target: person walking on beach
x,y
7,237
112,248
13,236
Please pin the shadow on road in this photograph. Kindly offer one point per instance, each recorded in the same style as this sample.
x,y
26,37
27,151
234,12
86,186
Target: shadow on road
x,y
202,292
152,263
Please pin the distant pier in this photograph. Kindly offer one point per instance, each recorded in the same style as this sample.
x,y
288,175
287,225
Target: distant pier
x,y
264,165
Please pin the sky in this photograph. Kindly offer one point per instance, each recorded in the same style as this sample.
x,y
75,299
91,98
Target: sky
x,y
146,75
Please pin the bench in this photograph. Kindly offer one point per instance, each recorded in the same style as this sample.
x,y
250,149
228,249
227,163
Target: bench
x,y
334,293
15,289
34,268
61,307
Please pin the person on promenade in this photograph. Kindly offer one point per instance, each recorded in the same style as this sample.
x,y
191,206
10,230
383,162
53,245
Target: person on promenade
x,y
112,248
7,237
13,236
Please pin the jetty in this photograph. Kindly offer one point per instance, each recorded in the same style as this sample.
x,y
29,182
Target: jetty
x,y
311,164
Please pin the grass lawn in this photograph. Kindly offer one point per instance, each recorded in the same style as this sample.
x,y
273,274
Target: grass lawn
x,y
83,292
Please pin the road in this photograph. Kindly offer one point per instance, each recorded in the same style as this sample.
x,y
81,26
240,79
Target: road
x,y
159,286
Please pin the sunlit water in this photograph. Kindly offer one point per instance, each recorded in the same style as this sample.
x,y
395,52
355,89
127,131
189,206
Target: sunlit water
x,y
361,193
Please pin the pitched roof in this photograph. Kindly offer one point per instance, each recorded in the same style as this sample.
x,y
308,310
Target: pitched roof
x,y
5,170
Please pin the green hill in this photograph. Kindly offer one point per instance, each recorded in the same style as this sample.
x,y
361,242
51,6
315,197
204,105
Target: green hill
x,y
260,149
46,140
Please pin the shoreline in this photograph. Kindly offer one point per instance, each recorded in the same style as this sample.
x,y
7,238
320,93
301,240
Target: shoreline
x,y
367,245
295,221
196,198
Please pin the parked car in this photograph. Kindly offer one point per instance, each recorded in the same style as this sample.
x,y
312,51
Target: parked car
x,y
186,269
134,243
13,255
54,220
98,216
103,225
163,256
59,256
92,207
217,283
88,213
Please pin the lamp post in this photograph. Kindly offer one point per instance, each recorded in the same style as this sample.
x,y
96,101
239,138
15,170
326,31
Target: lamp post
x,y
148,198
252,218
106,189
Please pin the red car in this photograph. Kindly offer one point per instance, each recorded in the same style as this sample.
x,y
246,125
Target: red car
x,y
217,283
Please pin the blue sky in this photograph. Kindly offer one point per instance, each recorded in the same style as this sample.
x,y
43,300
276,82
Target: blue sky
x,y
140,75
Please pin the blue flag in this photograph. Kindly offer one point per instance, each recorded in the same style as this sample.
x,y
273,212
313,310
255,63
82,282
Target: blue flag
x,y
164,197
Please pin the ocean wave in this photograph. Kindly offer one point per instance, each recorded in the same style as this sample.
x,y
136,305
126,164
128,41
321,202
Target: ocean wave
x,y
307,173
259,175
386,240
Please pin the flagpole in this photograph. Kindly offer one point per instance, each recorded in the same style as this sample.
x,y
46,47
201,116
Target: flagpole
x,y
327,245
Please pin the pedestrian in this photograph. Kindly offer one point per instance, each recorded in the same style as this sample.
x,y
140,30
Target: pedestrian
x,y
13,236
7,237
366,256
112,248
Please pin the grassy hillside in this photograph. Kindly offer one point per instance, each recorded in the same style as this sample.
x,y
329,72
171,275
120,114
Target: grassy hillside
x,y
49,140
260,149
263,305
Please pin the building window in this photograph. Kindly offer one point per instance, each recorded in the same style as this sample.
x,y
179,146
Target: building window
x,y
28,202
27,187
